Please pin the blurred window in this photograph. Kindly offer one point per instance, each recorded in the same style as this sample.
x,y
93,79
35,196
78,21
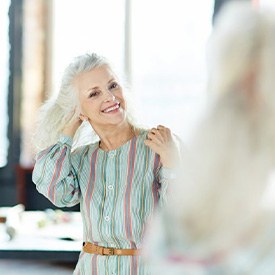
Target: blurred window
x,y
266,3
4,69
167,51
168,61
81,26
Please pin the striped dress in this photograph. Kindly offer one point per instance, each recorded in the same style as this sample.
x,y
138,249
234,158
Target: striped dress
x,y
117,190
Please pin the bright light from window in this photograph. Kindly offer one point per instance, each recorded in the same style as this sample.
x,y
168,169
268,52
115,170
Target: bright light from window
x,y
4,69
167,54
81,26
267,4
169,40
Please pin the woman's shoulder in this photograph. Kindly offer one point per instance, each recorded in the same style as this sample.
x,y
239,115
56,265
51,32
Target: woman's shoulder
x,y
85,149
142,133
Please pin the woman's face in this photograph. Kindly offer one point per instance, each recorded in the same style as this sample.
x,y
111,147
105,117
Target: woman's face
x,y
101,97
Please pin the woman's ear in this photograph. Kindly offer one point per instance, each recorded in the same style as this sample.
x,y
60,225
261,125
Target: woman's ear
x,y
83,117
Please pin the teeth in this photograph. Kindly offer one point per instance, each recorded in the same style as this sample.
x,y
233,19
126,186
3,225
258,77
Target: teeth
x,y
111,109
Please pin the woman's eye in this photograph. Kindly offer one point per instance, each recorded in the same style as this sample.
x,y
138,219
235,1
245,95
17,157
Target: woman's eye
x,y
93,94
113,85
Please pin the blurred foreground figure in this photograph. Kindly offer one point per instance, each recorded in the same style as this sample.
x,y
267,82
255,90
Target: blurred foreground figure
x,y
218,220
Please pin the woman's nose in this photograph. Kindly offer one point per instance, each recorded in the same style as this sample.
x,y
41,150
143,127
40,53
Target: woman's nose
x,y
109,96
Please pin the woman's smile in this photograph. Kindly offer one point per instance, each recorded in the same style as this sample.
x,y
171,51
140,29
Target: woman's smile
x,y
112,109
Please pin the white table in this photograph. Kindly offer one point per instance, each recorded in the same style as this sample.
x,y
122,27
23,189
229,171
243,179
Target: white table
x,y
38,237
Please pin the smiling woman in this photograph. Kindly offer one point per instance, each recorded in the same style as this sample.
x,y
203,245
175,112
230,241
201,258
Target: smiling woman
x,y
118,180
88,89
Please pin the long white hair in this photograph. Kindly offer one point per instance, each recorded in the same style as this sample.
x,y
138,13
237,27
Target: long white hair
x,y
56,112
233,149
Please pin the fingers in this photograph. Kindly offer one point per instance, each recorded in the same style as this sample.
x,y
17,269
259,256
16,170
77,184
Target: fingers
x,y
162,142
153,145
159,139
73,123
159,134
155,136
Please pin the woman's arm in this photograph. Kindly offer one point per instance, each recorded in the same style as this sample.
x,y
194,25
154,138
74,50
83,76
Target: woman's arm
x,y
168,147
55,176
162,142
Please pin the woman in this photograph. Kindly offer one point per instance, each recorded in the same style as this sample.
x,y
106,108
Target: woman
x,y
118,179
224,220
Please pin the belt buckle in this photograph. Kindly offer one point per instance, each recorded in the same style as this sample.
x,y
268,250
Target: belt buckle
x,y
108,251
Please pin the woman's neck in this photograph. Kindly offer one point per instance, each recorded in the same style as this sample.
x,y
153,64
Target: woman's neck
x,y
111,139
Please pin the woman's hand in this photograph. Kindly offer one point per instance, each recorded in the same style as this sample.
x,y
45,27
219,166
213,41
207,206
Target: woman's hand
x,y
73,124
161,141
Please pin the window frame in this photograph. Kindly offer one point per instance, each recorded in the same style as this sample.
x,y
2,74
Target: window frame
x,y
7,172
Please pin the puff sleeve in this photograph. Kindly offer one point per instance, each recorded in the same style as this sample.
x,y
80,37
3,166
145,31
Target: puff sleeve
x,y
55,176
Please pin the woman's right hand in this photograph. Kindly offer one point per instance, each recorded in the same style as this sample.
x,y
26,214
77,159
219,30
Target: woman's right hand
x,y
73,124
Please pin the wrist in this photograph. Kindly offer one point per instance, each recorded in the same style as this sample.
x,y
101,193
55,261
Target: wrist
x,y
67,134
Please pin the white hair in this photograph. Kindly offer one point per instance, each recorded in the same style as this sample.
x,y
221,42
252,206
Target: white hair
x,y
234,147
56,112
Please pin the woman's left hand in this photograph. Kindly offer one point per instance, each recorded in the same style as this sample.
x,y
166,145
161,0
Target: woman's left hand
x,y
161,141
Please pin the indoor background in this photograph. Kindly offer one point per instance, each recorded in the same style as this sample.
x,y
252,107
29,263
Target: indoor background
x,y
158,46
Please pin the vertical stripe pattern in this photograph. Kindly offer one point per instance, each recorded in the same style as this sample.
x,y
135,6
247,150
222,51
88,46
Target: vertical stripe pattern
x,y
127,203
117,191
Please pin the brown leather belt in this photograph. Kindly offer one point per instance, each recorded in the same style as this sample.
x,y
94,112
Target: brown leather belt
x,y
108,251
